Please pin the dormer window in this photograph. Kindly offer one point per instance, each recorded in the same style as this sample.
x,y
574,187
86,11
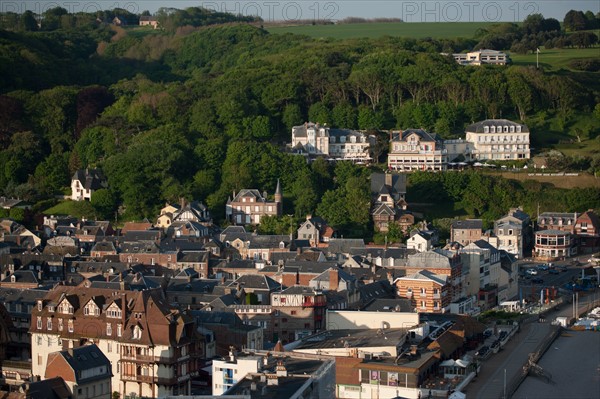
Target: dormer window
x,y
66,308
137,332
13,278
114,312
51,308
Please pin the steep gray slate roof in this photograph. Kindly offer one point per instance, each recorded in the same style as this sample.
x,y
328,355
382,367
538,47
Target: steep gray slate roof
x,y
300,131
342,276
427,275
478,127
250,192
85,358
485,245
196,286
378,184
469,224
423,135
268,241
308,267
437,258
344,245
90,179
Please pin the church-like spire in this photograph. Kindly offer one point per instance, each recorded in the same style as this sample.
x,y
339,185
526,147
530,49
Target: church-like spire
x,y
278,196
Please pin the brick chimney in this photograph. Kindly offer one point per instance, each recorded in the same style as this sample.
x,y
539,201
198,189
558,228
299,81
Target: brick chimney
x,y
388,179
333,279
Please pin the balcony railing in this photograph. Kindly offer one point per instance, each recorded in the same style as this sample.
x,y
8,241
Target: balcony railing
x,y
437,296
138,358
138,378
155,380
16,364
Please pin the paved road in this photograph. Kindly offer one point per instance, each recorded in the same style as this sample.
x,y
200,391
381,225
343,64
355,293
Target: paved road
x,y
490,382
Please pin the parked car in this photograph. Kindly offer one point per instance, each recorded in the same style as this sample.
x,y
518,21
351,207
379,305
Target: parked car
x,y
532,272
537,280
554,271
543,267
563,268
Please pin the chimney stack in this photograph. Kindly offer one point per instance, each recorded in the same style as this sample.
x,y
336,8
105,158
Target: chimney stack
x,y
388,179
123,308
333,279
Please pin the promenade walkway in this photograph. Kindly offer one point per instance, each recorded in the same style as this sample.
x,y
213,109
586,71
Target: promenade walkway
x,y
490,383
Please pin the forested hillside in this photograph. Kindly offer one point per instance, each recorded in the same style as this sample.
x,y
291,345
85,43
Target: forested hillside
x,y
201,111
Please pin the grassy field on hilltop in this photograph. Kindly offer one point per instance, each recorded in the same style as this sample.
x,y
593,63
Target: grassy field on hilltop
x,y
555,59
378,29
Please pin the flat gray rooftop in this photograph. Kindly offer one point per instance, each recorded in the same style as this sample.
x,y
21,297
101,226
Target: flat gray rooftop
x,y
354,339
574,362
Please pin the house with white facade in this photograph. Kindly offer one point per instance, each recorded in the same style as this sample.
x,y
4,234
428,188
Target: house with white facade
x,y
416,149
498,140
483,278
84,182
248,206
152,347
419,241
513,232
313,139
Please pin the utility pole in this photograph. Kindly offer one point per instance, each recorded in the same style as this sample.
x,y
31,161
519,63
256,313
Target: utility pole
x,y
504,397
537,58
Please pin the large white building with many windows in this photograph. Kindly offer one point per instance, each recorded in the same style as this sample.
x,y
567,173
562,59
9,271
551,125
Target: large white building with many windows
x,y
416,149
313,139
498,139
491,139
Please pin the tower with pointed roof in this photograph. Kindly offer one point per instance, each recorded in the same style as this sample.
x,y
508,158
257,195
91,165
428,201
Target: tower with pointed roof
x,y
279,198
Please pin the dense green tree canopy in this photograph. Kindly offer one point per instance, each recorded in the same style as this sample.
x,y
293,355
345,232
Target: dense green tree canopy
x,y
200,111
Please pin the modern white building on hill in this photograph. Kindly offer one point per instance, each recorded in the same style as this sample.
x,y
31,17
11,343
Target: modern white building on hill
x,y
481,57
